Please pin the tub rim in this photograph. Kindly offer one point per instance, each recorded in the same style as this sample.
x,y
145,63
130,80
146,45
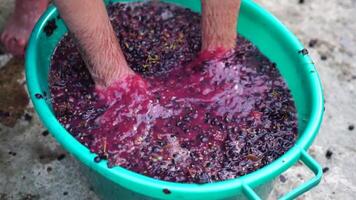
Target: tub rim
x,y
140,183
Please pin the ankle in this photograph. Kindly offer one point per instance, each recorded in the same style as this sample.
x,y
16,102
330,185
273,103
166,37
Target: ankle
x,y
109,69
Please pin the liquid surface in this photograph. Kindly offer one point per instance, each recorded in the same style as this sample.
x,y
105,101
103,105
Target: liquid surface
x,y
185,118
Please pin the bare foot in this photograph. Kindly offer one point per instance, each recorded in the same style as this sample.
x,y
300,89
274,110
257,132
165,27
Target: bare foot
x,y
18,28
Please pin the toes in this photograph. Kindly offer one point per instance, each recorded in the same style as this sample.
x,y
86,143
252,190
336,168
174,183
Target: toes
x,y
14,42
13,45
16,47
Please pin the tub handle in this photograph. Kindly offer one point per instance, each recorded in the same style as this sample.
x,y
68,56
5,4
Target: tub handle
x,y
311,164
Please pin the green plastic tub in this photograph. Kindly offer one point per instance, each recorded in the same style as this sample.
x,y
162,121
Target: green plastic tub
x,y
272,38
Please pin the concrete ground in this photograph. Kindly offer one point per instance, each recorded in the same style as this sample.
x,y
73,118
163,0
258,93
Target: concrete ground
x,y
34,166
